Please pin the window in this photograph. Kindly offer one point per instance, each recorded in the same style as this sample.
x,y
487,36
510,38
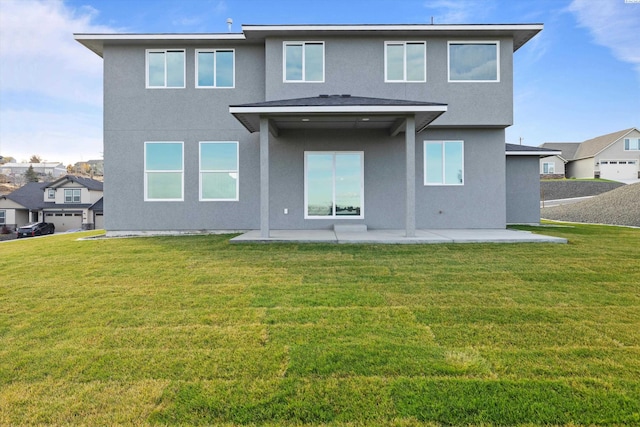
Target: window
x,y
548,168
474,62
218,171
632,144
304,62
72,195
165,68
405,62
3,217
163,171
334,184
443,163
51,193
215,68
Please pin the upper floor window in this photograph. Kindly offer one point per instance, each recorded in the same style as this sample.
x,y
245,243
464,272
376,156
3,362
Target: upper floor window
x,y
51,193
476,61
405,62
632,144
72,195
165,68
219,170
443,163
215,68
163,171
304,62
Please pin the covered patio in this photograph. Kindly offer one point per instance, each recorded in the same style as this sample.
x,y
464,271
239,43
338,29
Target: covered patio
x,y
340,112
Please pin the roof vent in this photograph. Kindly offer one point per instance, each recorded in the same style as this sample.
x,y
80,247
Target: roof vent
x,y
346,95
324,96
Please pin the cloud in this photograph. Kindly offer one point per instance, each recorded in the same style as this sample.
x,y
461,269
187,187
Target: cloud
x,y
613,24
48,80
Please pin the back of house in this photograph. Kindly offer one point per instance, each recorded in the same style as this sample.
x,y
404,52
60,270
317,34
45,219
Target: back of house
x,y
308,126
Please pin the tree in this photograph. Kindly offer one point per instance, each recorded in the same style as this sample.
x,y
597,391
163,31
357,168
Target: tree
x,y
35,159
31,175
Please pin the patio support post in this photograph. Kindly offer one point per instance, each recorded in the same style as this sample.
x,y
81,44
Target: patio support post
x,y
264,177
410,143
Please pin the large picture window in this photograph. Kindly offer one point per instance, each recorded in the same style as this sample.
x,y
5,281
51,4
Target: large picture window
x,y
443,163
163,171
304,62
219,171
474,61
215,68
334,184
405,62
72,195
165,68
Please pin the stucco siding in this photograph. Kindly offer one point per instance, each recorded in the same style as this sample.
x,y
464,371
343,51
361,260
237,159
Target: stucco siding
x,y
364,59
523,190
135,115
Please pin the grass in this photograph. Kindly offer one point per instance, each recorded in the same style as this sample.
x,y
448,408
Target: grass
x,y
195,331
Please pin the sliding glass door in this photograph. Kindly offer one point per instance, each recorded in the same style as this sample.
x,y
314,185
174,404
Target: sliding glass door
x,y
334,184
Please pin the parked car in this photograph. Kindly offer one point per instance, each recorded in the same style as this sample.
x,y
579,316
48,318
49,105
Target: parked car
x,y
36,229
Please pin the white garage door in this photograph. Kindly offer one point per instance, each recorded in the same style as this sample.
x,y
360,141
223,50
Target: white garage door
x,y
619,169
99,221
65,221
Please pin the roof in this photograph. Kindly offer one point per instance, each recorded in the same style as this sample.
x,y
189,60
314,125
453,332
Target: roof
x,y
337,111
98,206
89,183
30,195
525,150
568,149
591,147
521,33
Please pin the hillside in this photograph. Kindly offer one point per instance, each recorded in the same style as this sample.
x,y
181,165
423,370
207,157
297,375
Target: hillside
x,y
617,207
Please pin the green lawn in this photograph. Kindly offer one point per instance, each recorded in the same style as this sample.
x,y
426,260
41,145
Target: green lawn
x,y
194,330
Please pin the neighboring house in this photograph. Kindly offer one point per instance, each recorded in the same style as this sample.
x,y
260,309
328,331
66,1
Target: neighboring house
x,y
69,203
555,166
97,167
310,126
614,156
47,169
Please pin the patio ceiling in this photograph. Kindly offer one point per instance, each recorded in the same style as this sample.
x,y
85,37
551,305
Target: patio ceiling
x,y
337,112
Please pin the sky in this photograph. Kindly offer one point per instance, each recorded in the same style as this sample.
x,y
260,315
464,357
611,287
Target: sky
x,y
578,79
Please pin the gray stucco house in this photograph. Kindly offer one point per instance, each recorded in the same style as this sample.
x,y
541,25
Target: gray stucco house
x,y
311,126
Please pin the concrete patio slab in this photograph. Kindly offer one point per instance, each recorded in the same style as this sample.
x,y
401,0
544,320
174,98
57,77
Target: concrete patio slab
x,y
398,236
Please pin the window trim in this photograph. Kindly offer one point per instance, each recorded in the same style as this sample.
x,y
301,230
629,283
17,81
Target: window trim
x,y
404,61
424,162
146,172
495,42
284,61
201,171
215,66
51,193
184,68
73,190
333,217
